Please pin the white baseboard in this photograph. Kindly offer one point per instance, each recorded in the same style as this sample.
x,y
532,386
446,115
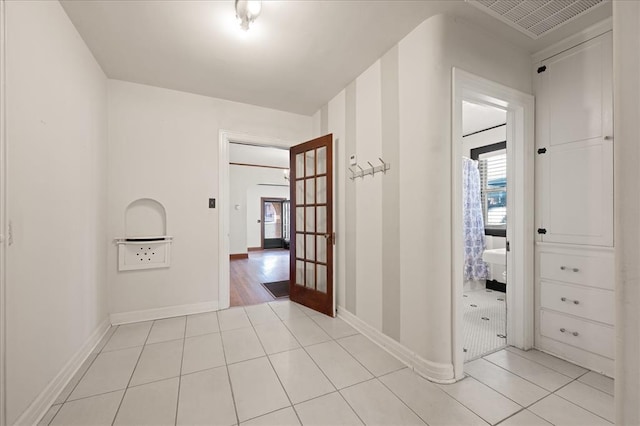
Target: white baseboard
x,y
166,312
41,404
435,372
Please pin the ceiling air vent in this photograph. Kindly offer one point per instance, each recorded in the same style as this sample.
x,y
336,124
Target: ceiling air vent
x,y
535,18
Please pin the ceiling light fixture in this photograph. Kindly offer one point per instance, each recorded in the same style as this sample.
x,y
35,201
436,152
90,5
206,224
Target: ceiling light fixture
x,y
247,11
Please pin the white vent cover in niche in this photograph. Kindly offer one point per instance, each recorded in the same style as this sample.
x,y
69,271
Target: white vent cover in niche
x,y
144,253
146,244
536,17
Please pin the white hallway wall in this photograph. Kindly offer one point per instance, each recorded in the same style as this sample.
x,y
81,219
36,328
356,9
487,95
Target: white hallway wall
x,y
245,191
163,144
626,78
57,143
400,109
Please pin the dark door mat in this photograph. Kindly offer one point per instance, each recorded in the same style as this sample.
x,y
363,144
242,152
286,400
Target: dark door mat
x,y
278,288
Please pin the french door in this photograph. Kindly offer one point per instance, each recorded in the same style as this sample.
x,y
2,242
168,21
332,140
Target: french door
x,y
311,259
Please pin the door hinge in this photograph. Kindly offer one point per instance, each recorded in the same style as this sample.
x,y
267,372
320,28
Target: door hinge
x,y
508,246
542,69
542,231
542,151
333,238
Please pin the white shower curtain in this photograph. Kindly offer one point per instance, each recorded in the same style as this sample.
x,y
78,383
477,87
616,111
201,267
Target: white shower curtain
x,y
473,223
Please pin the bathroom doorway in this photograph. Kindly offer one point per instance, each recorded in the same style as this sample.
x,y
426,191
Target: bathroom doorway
x,y
511,203
485,222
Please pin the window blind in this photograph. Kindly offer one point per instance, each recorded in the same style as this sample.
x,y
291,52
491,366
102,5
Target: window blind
x,y
493,179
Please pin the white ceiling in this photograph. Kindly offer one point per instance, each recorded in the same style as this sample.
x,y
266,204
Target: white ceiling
x,y
298,55
476,117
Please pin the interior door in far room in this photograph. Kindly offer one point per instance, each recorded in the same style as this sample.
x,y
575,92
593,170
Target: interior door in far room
x,y
273,222
311,259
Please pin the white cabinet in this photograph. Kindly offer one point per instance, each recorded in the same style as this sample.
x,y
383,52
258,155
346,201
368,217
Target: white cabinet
x,y
575,145
575,306
577,193
588,268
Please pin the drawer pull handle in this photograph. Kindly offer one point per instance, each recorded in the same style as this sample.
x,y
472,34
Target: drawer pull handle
x,y
574,333
575,302
564,268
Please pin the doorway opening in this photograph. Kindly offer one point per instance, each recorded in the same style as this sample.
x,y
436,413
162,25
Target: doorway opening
x,y
311,194
253,210
484,191
274,232
512,202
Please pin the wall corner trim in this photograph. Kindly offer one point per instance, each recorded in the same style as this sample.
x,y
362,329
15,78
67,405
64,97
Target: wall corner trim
x,y
160,313
432,371
42,402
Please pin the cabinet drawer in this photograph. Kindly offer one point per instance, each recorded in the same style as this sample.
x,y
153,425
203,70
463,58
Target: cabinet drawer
x,y
589,270
585,302
592,337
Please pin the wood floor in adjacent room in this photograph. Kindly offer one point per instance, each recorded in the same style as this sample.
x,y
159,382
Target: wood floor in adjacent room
x,y
247,276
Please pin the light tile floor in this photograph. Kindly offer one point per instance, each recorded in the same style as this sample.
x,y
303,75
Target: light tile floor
x,y
283,364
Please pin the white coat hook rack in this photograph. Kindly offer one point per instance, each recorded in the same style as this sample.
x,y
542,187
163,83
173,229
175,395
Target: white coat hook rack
x,y
371,170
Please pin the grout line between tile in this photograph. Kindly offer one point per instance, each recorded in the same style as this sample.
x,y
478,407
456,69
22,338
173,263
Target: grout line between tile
x,y
321,371
514,414
275,372
340,346
377,346
593,387
350,406
184,339
524,378
407,405
131,376
469,408
226,366
146,383
506,396
90,364
339,391
54,416
580,406
545,366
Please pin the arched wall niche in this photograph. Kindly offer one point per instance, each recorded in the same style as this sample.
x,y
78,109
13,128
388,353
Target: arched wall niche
x,y
145,217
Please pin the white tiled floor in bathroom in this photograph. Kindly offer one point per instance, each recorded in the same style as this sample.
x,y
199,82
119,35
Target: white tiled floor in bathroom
x,y
282,364
484,322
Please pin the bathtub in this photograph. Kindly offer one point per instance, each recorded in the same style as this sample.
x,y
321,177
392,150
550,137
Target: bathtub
x,y
496,256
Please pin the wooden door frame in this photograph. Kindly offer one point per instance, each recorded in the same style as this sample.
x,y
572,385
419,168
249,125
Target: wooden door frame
x,y
262,200
225,137
520,232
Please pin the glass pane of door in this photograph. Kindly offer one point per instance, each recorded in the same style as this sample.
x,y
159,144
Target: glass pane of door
x,y
312,265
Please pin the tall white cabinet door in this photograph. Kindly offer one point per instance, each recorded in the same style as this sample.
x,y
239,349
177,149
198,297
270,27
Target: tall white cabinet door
x,y
578,193
575,145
